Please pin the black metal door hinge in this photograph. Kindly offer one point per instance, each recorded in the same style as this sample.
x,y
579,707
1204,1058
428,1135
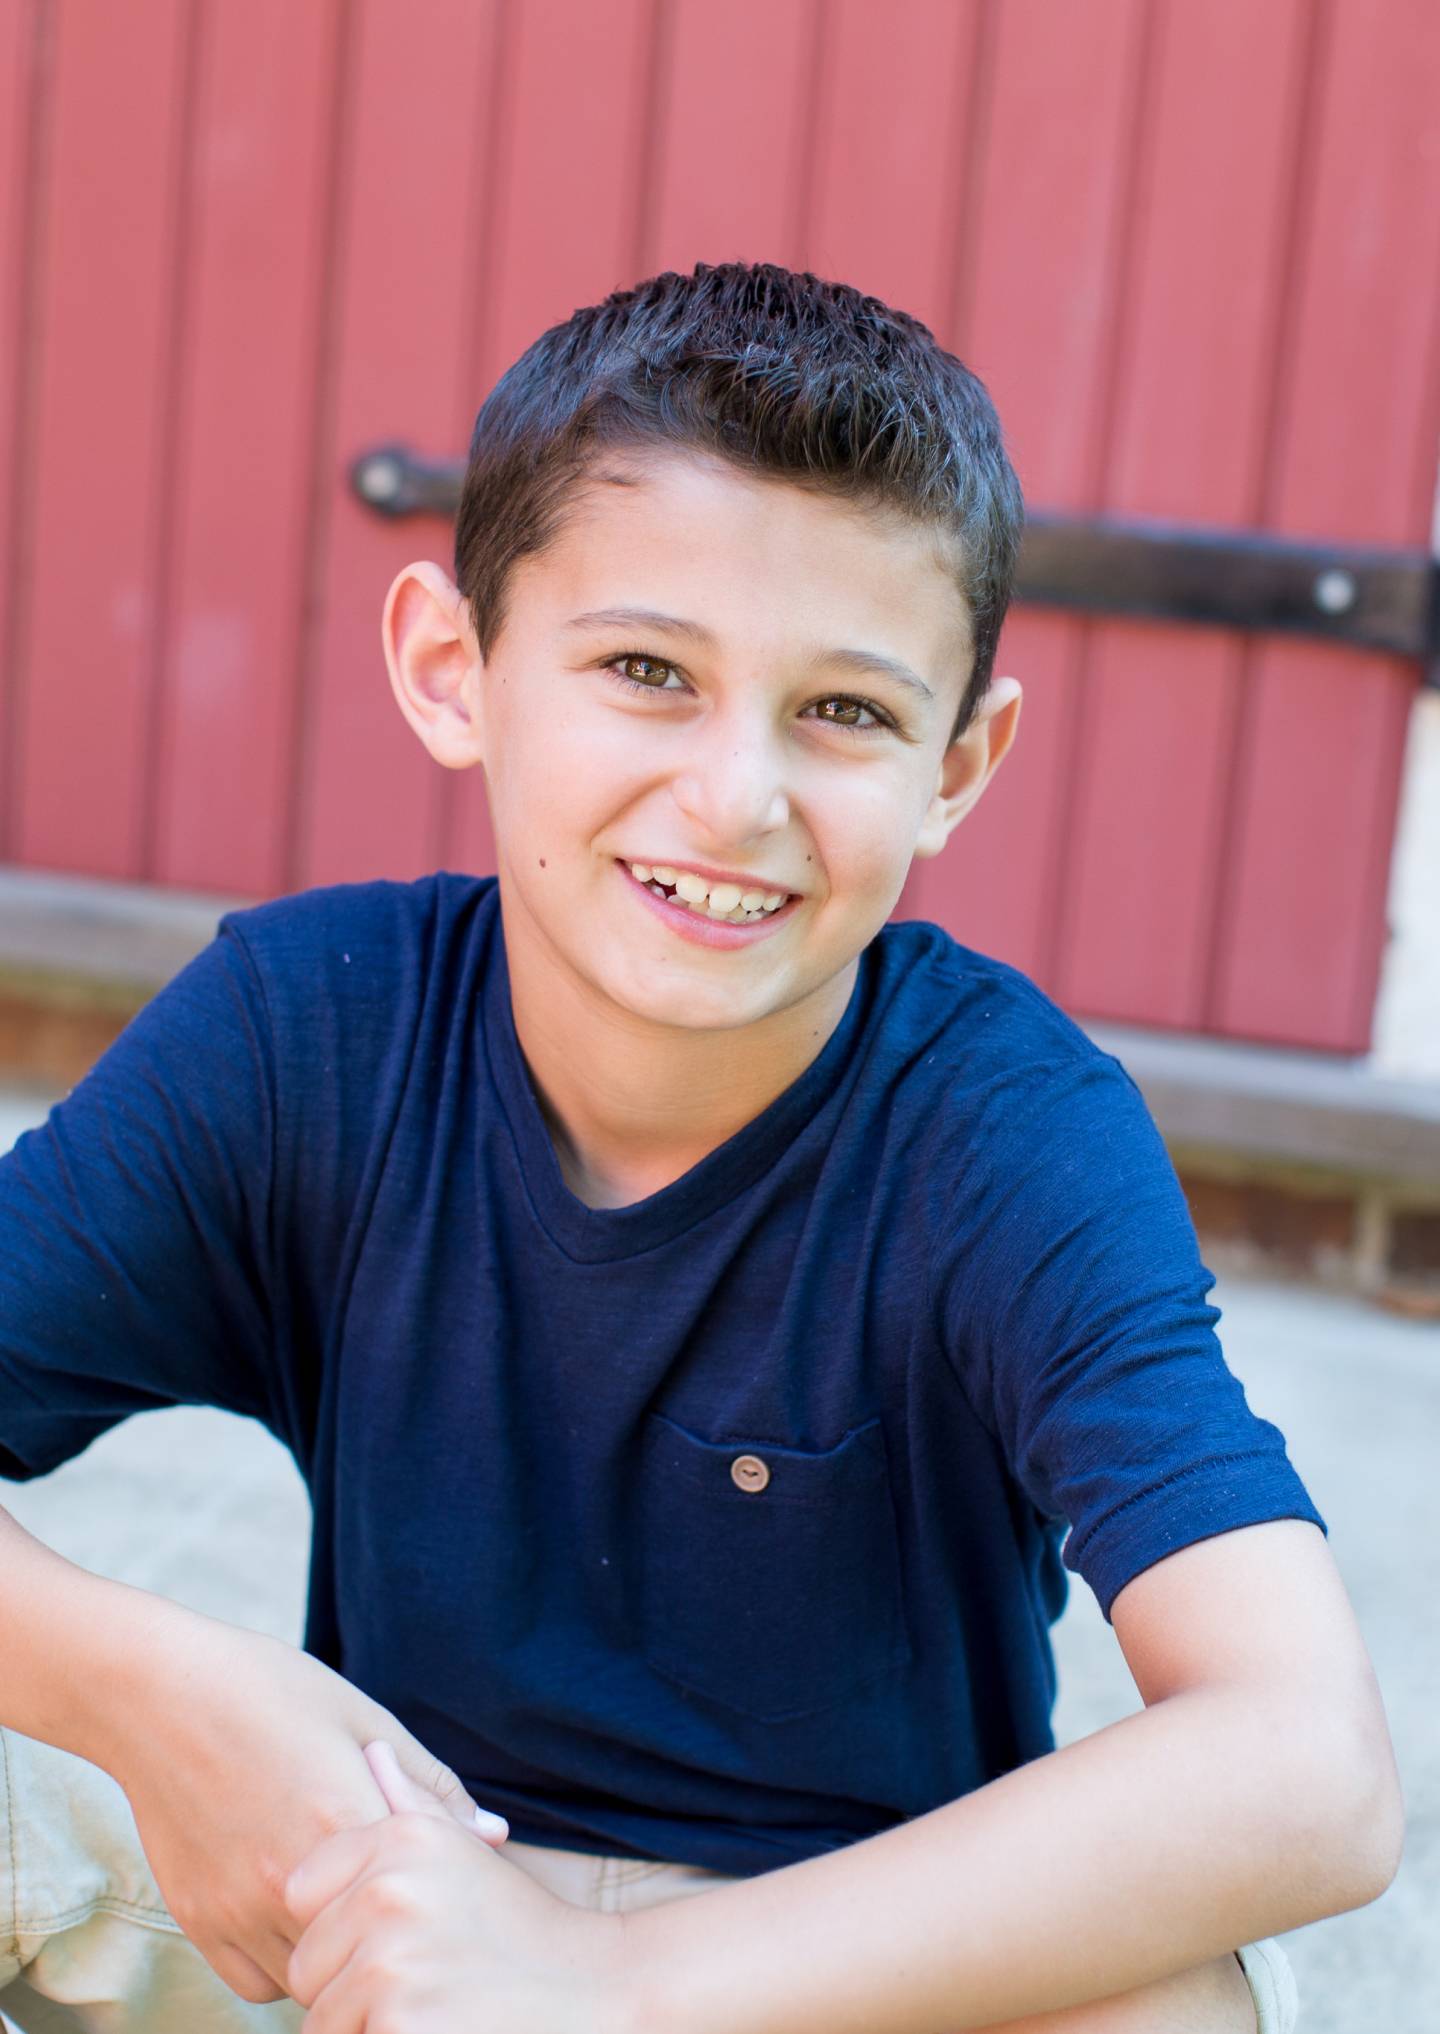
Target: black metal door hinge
x,y
1369,598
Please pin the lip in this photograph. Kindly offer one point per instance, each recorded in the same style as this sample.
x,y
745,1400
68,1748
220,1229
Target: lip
x,y
705,931
708,874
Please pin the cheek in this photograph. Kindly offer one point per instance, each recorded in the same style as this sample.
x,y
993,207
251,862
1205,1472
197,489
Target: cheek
x,y
548,775
870,833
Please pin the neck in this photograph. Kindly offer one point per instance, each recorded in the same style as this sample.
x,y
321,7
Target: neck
x,y
631,1106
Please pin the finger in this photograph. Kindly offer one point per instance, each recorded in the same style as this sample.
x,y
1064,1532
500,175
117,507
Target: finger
x,y
439,1782
272,1953
405,1854
335,1863
320,1955
406,1794
246,1978
345,2003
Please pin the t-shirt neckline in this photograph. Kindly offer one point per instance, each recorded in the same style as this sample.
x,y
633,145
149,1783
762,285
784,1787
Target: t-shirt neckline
x,y
600,1235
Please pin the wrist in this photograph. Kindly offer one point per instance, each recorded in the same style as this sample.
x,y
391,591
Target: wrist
x,y
82,1652
137,1654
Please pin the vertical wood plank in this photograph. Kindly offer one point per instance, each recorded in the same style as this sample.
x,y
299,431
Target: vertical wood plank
x,y
1323,733
22,80
1195,338
411,262
1323,739
255,241
85,659
566,223
1059,89
569,188
887,193
733,111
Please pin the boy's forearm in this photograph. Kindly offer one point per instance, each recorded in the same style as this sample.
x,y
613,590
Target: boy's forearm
x,y
77,1651
1204,1822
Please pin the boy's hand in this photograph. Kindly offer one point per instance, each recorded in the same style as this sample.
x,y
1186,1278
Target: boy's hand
x,y
411,1925
239,1754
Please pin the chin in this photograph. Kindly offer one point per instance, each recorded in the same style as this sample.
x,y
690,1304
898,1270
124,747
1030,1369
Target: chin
x,y
685,1004
685,1010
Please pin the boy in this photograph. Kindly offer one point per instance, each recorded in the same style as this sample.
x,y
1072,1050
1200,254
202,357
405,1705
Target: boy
x,y
698,1307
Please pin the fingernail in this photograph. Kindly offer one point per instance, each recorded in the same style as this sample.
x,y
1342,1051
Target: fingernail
x,y
493,1825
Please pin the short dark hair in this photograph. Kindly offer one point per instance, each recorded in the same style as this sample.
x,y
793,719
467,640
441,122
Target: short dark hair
x,y
779,373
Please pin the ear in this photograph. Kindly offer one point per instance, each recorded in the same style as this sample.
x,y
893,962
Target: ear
x,y
434,662
969,763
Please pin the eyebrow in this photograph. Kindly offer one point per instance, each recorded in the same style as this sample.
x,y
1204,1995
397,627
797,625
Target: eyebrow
x,y
647,618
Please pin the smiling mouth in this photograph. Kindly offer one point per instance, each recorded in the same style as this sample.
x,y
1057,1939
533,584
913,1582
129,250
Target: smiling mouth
x,y
721,903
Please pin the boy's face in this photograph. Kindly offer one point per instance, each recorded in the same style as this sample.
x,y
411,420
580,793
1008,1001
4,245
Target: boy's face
x,y
737,747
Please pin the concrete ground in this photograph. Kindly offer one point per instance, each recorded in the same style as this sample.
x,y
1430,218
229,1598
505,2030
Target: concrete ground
x,y
208,1509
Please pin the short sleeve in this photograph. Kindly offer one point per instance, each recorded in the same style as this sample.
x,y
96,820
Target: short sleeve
x,y
1076,1316
134,1225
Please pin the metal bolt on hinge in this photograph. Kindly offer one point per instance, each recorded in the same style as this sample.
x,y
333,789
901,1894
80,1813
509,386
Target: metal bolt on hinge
x,y
1336,591
378,479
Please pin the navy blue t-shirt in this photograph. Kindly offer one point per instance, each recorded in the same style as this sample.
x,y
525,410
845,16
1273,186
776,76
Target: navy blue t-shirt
x,y
725,1527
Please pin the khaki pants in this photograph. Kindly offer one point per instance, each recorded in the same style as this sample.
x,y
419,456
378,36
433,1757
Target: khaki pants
x,y
88,1947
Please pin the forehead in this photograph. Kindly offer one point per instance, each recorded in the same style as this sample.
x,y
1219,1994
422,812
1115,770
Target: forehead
x,y
753,558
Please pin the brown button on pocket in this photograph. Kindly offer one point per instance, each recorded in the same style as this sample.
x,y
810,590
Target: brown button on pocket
x,y
769,1575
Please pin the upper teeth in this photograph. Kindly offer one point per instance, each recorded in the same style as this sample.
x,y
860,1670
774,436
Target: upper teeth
x,y
712,900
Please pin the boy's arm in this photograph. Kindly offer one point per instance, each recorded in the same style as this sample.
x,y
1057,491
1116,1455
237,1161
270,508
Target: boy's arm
x,y
1257,1792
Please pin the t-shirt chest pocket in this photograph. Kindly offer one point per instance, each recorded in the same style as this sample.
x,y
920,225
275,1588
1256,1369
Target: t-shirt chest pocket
x,y
769,1575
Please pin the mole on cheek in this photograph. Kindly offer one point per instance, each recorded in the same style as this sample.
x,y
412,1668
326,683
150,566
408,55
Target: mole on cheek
x,y
542,861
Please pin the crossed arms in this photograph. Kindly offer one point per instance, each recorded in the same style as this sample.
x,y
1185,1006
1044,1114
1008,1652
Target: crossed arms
x,y
1256,1792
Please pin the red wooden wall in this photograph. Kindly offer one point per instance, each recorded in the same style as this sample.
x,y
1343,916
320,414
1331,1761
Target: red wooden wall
x,y
1192,250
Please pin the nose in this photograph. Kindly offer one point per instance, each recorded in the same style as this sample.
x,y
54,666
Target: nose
x,y
733,788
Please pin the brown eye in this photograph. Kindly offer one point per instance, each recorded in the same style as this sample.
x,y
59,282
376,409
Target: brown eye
x,y
653,663
876,724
